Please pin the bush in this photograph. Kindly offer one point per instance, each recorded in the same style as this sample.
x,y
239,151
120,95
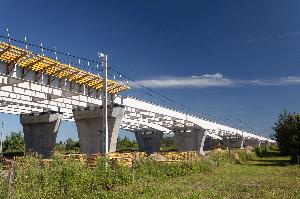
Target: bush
x,y
287,134
233,157
246,156
263,151
71,178
126,145
14,142
11,154
150,170
66,178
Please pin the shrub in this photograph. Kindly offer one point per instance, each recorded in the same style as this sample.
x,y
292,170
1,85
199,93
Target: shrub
x,y
263,151
232,157
287,134
150,170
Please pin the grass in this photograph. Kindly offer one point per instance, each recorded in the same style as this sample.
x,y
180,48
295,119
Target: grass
x,y
219,176
251,180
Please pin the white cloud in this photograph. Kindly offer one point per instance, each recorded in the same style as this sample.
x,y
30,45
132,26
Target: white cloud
x,y
214,80
208,80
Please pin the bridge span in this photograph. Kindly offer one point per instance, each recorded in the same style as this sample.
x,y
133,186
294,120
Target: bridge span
x,y
44,91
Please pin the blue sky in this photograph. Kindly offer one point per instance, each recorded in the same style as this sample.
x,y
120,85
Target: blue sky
x,y
231,59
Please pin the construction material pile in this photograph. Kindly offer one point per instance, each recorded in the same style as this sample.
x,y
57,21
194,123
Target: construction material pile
x,y
118,158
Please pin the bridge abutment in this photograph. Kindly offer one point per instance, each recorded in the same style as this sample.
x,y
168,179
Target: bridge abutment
x,y
40,131
190,141
89,125
149,141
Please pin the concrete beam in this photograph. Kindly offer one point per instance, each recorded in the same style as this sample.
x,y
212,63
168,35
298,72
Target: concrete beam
x,y
89,125
40,131
149,141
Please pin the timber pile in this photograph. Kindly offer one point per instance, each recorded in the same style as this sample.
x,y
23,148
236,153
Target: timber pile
x,y
124,159
180,156
116,158
80,157
5,164
92,160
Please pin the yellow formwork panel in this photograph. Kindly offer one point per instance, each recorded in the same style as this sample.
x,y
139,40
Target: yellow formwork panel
x,y
26,59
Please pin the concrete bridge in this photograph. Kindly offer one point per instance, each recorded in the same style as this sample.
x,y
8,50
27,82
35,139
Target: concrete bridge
x,y
44,91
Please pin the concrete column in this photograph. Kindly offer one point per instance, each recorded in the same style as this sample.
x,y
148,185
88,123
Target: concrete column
x,y
149,141
190,141
89,125
252,142
40,131
208,144
231,143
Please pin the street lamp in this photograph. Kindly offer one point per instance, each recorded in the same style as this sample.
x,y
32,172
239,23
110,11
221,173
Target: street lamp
x,y
103,58
1,138
241,123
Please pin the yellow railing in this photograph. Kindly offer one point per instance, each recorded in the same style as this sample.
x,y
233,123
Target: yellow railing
x,y
36,62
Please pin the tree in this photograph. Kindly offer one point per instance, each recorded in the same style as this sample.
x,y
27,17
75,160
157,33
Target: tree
x,y
287,134
168,144
14,142
125,144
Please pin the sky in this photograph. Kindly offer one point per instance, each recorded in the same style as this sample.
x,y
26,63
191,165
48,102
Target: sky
x,y
229,59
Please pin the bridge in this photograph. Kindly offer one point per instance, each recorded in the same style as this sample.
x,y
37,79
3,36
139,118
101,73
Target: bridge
x,y
45,91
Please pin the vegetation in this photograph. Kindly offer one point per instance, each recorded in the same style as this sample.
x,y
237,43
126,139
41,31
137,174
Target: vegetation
x,y
226,181
287,134
74,179
69,146
124,144
14,145
238,174
168,144
14,142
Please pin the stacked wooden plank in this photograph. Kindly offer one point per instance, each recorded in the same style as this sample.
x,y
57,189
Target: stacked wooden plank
x,y
118,158
179,156
6,164
124,159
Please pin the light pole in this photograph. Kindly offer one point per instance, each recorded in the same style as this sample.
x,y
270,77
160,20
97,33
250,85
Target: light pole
x,y
241,123
103,58
1,137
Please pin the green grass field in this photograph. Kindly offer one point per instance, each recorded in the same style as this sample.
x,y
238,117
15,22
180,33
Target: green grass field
x,y
262,178
218,176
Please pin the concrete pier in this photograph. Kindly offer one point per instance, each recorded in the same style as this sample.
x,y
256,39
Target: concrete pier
x,y
89,125
208,144
252,142
233,142
149,141
40,131
190,141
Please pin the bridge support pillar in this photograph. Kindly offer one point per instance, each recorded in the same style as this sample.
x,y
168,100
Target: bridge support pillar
x,y
231,143
149,141
252,142
190,141
89,125
40,131
208,144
